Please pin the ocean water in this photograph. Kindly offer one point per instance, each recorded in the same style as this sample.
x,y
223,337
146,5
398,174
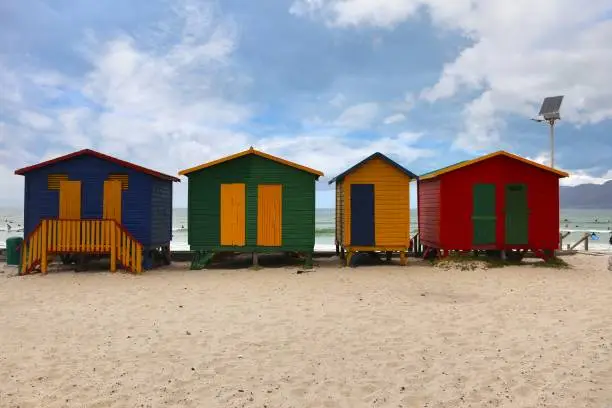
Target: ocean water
x,y
598,222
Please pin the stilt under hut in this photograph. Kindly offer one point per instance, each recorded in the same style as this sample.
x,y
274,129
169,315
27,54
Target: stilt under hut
x,y
251,202
87,204
500,203
373,208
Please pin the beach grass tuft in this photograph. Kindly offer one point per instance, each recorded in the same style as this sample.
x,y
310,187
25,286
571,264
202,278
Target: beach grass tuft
x,y
473,262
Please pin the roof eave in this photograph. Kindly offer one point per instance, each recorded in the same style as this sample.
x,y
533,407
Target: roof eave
x,y
467,163
23,171
401,168
279,160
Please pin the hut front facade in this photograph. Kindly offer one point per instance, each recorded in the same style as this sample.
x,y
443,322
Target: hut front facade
x,y
373,207
499,202
250,202
92,204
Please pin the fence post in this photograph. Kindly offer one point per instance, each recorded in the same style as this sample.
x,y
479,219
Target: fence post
x,y
43,252
113,251
138,258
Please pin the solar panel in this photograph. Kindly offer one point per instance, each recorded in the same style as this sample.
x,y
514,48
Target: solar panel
x,y
550,107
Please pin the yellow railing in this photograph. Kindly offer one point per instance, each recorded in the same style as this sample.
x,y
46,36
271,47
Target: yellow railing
x,y
81,236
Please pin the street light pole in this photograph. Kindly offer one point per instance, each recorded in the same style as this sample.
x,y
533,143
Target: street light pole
x,y
549,112
552,142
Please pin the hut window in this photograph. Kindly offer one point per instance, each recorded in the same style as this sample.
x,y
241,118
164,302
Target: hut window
x,y
121,177
53,181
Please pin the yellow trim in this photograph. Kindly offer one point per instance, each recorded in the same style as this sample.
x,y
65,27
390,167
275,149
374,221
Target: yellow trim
x,y
244,153
488,156
375,248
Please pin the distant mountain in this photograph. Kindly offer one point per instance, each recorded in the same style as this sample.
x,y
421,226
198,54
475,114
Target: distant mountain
x,y
587,196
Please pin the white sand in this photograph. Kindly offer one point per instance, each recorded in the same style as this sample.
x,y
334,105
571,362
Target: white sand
x,y
382,336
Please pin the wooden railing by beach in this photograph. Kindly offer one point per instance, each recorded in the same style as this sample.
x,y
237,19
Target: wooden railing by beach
x,y
97,237
584,240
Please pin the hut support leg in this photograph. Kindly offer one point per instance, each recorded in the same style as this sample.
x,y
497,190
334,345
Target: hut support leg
x,y
403,258
149,261
167,255
349,255
388,256
308,260
342,254
337,249
255,259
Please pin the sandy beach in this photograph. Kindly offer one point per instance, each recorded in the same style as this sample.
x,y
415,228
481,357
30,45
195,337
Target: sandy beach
x,y
378,336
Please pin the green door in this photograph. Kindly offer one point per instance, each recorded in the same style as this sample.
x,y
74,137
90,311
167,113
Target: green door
x,y
484,219
517,215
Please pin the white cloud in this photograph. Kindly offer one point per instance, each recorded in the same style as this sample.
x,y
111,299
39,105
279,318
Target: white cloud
x,y
405,105
161,104
578,177
11,188
35,120
344,13
541,158
338,100
520,52
327,150
358,116
398,117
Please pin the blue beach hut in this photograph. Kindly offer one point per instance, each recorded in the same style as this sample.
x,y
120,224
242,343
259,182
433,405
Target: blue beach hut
x,y
88,203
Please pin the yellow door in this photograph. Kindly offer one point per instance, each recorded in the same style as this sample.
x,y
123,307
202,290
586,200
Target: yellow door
x,y
112,200
269,214
70,200
233,214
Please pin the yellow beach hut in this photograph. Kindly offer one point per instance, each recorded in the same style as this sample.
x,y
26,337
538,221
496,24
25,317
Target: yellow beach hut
x,y
373,208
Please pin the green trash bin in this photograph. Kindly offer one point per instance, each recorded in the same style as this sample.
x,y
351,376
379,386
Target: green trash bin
x,y
13,250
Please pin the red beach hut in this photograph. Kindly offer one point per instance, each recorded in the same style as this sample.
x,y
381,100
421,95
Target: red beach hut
x,y
499,202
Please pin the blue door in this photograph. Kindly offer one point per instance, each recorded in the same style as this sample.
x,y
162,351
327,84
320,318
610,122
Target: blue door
x,y
362,215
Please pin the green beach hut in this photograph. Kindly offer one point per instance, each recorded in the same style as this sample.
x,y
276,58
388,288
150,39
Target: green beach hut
x,y
250,202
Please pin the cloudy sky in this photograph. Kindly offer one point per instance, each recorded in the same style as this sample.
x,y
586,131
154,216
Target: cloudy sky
x,y
171,84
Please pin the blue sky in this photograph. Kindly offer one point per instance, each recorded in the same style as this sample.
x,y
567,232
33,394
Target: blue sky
x,y
325,83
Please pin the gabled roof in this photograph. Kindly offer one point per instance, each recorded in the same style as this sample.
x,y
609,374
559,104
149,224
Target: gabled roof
x,y
376,155
440,171
93,153
456,166
245,153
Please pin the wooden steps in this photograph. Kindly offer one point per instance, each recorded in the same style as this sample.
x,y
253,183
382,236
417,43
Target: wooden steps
x,y
96,237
